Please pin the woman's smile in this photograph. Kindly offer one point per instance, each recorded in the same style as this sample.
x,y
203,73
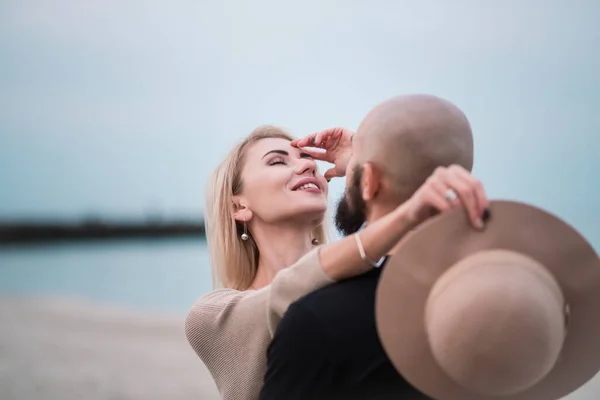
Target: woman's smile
x,y
311,185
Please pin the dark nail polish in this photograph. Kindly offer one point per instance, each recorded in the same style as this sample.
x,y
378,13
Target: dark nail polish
x,y
328,180
480,225
487,213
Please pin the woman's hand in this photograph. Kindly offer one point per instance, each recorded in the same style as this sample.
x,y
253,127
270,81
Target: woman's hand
x,y
337,143
445,189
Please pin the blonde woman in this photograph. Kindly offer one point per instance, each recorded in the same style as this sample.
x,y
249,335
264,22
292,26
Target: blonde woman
x,y
265,213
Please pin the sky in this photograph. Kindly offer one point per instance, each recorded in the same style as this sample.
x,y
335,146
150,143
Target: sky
x,y
123,107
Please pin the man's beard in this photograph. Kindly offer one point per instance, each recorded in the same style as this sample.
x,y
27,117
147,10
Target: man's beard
x,y
351,210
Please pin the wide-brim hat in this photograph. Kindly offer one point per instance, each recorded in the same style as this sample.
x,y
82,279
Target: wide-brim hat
x,y
511,312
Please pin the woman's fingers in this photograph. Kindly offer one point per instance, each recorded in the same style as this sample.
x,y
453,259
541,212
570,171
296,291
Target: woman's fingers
x,y
461,188
478,189
305,141
323,139
447,188
438,194
466,193
309,140
317,154
320,139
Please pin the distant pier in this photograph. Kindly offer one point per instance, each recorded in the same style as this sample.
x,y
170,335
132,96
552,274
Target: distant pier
x,y
41,232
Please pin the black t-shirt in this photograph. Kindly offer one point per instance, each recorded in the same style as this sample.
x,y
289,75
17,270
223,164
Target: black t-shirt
x,y
327,347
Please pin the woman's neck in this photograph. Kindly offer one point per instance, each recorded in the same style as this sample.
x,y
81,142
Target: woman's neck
x,y
279,248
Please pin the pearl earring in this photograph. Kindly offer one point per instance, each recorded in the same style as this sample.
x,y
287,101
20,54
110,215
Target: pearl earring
x,y
245,234
315,242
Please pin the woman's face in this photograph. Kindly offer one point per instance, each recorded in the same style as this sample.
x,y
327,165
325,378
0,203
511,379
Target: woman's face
x,y
280,183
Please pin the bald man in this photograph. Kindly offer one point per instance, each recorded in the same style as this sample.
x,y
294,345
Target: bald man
x,y
326,346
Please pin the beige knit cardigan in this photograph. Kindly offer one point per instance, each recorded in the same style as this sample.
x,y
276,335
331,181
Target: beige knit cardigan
x,y
230,330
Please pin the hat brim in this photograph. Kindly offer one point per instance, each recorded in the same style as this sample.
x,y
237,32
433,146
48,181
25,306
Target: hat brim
x,y
425,254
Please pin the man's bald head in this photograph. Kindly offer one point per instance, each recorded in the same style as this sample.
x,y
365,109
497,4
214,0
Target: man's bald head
x,y
407,137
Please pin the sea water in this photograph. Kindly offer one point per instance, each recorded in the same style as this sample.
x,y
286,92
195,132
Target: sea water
x,y
157,275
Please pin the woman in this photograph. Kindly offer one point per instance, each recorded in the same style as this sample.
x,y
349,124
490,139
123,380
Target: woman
x,y
265,214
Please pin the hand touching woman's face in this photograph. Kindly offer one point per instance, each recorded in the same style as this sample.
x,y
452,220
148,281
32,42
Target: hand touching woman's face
x,y
281,183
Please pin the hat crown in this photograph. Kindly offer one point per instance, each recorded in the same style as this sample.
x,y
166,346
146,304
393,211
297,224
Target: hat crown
x,y
495,322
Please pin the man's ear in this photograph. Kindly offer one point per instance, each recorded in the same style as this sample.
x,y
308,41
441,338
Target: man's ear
x,y
241,213
370,182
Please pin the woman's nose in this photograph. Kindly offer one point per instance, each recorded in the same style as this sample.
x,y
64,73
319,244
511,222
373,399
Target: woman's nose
x,y
306,165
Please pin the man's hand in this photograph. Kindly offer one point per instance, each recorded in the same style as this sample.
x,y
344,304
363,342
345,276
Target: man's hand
x,y
448,188
337,143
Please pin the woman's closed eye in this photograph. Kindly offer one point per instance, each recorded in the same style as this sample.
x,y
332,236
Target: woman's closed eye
x,y
280,160
276,161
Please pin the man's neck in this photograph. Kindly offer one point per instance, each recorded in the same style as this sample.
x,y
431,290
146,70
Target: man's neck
x,y
380,211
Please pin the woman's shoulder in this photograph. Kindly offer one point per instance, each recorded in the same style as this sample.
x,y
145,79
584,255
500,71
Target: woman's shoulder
x,y
215,298
228,330
218,311
208,306
203,319
222,317
219,299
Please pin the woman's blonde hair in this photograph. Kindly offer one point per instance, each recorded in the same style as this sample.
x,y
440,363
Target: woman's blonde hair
x,y
235,262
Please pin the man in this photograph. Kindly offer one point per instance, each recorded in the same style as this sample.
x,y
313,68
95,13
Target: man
x,y
327,345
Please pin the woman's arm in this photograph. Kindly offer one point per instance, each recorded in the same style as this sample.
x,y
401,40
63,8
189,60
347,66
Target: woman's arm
x,y
241,315
336,261
333,262
342,259
230,329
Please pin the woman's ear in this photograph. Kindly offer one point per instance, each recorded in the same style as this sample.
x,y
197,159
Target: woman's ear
x,y
241,213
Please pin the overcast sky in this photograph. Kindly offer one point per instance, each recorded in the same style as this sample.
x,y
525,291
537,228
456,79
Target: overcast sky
x,y
122,107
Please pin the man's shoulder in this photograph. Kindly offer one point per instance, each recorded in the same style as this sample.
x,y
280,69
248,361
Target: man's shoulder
x,y
337,297
361,282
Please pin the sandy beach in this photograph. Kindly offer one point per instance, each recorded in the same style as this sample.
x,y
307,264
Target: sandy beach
x,y
66,350
63,350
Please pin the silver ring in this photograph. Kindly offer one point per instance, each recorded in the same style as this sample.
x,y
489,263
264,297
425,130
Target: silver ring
x,y
450,195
